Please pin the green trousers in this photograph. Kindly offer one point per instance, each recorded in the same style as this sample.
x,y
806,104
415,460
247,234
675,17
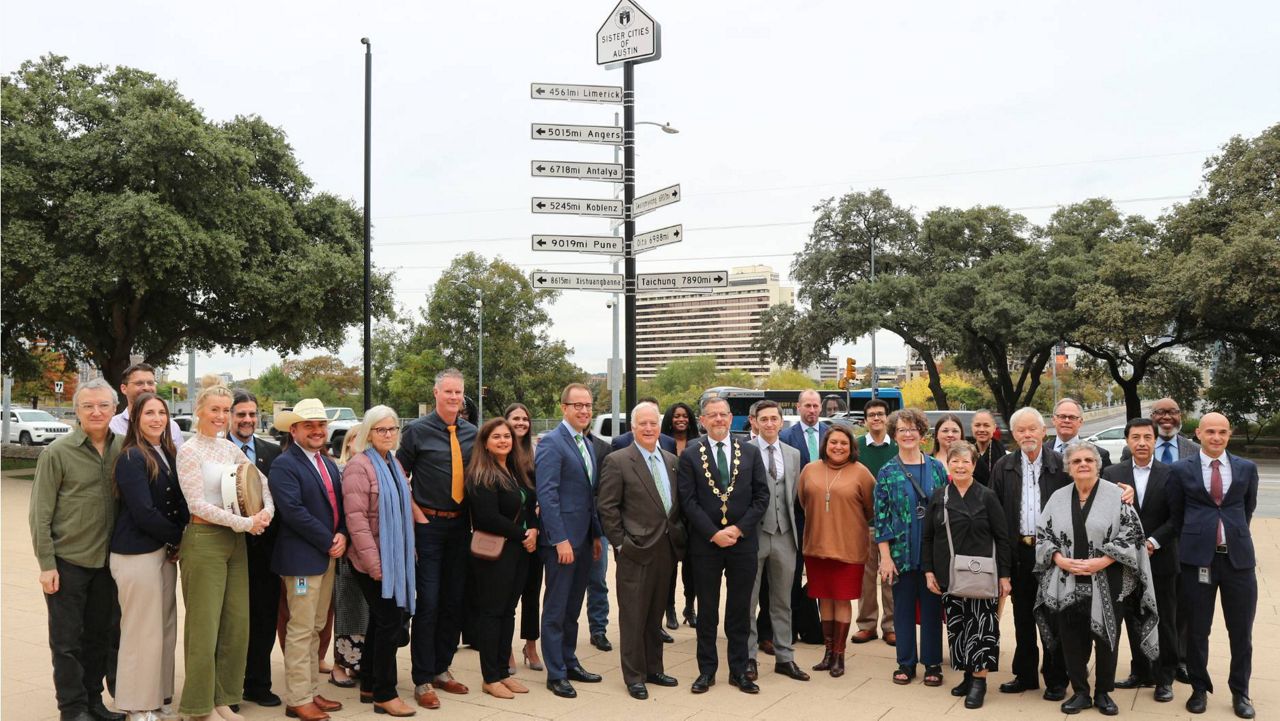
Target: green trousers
x,y
215,590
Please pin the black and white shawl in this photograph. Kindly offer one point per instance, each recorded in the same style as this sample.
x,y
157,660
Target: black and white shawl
x,y
1112,528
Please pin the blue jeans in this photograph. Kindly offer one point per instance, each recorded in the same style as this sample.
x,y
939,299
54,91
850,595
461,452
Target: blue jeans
x,y
908,590
598,591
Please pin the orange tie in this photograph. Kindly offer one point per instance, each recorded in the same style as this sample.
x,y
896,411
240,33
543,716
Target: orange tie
x,y
455,452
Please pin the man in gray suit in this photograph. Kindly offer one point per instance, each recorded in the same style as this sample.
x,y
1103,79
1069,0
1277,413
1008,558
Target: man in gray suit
x,y
1171,445
779,540
640,515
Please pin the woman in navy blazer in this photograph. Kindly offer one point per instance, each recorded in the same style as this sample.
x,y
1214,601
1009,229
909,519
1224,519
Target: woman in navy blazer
x,y
144,544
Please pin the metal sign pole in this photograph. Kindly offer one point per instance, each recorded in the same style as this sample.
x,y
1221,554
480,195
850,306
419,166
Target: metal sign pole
x,y
629,226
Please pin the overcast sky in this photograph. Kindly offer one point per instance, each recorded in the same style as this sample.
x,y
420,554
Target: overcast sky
x,y
779,105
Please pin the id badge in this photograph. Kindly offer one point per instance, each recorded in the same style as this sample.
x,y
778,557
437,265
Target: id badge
x,y
300,586
1204,575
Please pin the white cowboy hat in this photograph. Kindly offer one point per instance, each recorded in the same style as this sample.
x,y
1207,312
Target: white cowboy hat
x,y
307,409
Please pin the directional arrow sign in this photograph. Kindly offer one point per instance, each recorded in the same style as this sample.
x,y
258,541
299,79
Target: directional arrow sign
x,y
607,282
690,280
629,34
579,93
603,134
598,207
603,244
657,238
655,200
609,172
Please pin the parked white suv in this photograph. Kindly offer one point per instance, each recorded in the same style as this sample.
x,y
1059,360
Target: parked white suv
x,y
341,420
29,427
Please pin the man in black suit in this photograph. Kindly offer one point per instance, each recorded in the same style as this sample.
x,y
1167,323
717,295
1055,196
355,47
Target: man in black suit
x,y
723,493
1150,478
1024,481
1067,419
264,585
1213,496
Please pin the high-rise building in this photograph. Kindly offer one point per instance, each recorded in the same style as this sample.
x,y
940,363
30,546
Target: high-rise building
x,y
724,323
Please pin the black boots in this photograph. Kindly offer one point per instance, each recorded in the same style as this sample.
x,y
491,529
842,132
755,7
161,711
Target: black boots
x,y
828,631
977,693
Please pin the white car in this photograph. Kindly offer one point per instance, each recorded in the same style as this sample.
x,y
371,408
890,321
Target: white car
x,y
30,427
1112,439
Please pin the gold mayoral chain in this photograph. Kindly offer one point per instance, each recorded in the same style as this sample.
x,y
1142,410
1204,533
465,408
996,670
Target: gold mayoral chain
x,y
733,478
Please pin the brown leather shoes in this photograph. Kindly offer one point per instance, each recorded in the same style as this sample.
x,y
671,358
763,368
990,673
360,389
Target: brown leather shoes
x,y
426,696
306,712
863,635
325,704
891,638
447,683
394,707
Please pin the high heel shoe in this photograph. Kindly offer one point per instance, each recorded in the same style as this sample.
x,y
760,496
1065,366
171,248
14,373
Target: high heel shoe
x,y
532,665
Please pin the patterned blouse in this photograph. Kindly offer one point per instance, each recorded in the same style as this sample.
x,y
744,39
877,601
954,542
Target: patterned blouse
x,y
204,499
896,520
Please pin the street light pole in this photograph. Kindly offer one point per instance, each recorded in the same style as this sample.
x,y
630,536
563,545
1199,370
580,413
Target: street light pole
x,y
875,369
368,251
480,359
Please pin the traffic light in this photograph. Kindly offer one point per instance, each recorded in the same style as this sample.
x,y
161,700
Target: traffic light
x,y
843,383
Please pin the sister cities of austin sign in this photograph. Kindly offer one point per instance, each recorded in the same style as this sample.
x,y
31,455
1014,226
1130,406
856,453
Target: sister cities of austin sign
x,y
628,34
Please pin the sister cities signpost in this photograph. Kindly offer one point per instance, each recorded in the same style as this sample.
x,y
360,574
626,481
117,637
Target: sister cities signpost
x,y
628,36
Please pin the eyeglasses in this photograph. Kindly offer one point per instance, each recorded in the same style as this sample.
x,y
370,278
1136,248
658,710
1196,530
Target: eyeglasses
x,y
90,407
877,414
143,384
908,430
387,431
578,406
1166,412
1066,417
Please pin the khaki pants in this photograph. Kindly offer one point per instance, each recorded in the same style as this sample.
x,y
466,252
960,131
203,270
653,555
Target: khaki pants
x,y
146,583
867,606
308,613
215,589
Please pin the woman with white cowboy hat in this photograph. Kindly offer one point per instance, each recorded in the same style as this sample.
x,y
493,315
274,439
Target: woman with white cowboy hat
x,y
215,569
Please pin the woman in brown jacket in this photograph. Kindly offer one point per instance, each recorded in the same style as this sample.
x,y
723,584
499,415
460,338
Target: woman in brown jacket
x,y
836,494
380,517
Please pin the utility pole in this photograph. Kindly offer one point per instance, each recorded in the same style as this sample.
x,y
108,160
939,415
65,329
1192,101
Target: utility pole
x,y
368,250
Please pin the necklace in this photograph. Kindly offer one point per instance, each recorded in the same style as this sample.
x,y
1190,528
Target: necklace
x,y
830,482
733,477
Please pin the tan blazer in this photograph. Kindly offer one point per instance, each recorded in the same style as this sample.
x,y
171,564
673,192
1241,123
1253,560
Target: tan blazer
x,y
631,511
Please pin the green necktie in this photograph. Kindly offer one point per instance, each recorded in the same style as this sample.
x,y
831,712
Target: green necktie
x,y
812,435
723,463
586,457
663,491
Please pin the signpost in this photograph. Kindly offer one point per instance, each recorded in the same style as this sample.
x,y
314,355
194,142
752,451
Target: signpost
x,y
684,281
576,93
603,134
598,207
652,201
602,244
629,35
557,280
658,238
609,172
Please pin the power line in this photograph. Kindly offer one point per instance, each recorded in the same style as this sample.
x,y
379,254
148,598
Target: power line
x,y
745,226
922,176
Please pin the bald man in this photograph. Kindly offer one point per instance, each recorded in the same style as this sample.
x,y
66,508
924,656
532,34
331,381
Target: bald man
x,y
1212,496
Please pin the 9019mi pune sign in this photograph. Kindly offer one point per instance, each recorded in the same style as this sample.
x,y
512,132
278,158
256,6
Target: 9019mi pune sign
x,y
629,34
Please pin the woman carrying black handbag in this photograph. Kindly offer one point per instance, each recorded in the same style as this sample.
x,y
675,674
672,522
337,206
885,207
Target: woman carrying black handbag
x,y
964,533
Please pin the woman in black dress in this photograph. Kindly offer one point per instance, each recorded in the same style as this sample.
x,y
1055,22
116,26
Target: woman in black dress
x,y
502,503
978,529
517,414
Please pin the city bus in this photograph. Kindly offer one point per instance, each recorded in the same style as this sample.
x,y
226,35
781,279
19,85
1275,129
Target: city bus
x,y
835,403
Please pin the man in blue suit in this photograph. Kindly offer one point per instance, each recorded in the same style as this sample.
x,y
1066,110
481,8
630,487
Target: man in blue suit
x,y
566,468
308,490
1212,498
806,436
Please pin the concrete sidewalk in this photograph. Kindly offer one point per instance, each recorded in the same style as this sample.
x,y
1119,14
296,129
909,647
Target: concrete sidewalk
x,y
865,692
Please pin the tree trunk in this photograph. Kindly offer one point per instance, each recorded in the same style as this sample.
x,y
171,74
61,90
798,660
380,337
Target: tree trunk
x,y
935,378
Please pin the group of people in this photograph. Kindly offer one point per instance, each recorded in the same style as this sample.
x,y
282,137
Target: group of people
x,y
445,529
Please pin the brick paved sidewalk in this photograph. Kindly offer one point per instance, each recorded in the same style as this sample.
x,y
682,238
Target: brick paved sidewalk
x,y
865,692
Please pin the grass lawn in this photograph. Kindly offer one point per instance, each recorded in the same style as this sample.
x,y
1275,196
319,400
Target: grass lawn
x,y
16,464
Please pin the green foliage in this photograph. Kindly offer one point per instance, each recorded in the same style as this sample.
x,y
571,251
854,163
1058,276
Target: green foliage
x,y
1246,388
275,385
1174,378
521,362
787,379
132,224
685,379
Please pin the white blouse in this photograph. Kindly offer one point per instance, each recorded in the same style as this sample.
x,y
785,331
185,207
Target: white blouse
x,y
204,499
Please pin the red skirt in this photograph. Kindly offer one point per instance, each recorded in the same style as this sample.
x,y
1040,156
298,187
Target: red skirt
x,y
833,579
